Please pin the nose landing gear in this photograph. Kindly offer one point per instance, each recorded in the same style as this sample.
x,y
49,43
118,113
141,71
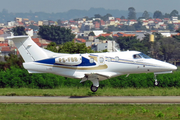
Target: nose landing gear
x,y
156,82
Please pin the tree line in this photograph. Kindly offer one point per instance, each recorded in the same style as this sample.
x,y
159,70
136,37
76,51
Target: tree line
x,y
156,14
56,34
133,15
20,78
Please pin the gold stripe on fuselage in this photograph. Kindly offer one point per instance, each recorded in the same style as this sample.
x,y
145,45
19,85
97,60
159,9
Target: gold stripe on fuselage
x,y
100,67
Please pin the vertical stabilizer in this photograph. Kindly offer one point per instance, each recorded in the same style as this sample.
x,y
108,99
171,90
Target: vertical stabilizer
x,y
28,49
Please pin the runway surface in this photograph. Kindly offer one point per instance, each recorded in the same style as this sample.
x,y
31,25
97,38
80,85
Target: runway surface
x,y
70,99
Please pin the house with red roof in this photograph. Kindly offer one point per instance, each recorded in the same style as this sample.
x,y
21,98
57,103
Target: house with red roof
x,y
125,35
118,19
3,44
20,24
131,22
150,21
80,40
163,26
124,21
1,32
26,21
51,22
115,36
106,35
96,25
65,22
145,22
102,22
72,22
41,43
36,40
153,31
158,20
166,20
5,50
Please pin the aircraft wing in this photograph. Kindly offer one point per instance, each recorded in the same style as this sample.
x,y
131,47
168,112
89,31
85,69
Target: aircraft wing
x,y
94,76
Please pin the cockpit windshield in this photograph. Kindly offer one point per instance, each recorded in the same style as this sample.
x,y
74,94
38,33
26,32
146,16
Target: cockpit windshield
x,y
141,55
144,56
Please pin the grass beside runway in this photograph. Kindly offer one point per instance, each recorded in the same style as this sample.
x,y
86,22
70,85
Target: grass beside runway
x,y
84,91
88,111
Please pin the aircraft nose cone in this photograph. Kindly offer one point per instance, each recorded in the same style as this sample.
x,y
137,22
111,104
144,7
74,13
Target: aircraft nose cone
x,y
173,67
166,66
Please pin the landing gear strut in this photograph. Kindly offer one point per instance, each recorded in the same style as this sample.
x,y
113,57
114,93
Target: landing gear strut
x,y
156,82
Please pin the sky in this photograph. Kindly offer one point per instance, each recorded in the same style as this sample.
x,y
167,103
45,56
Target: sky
x,y
49,6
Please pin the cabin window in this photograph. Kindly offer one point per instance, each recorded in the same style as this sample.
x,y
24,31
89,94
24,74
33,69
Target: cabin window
x,y
101,59
109,59
91,60
137,56
116,58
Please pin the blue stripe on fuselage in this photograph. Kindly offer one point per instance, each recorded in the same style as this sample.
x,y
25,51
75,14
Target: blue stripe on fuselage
x,y
47,61
85,62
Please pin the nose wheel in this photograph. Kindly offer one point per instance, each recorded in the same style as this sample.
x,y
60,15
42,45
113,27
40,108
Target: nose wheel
x,y
156,82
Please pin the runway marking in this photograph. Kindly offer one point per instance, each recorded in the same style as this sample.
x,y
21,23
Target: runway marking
x,y
69,99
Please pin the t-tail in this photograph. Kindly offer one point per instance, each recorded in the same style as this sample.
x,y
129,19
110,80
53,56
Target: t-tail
x,y
28,49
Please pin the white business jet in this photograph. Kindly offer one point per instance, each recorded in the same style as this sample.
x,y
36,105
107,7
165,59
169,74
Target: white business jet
x,y
89,66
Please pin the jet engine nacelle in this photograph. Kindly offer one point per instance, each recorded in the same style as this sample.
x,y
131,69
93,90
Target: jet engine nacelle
x,y
69,60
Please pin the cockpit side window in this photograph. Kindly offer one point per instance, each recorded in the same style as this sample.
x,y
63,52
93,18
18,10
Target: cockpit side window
x,y
137,56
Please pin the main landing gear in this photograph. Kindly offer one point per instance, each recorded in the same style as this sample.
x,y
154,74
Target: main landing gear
x,y
94,88
156,82
95,85
94,79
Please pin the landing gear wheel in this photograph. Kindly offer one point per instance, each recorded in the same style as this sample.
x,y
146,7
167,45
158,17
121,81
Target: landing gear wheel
x,y
156,82
94,88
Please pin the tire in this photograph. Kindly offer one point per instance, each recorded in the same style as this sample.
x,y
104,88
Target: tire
x,y
94,88
156,83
